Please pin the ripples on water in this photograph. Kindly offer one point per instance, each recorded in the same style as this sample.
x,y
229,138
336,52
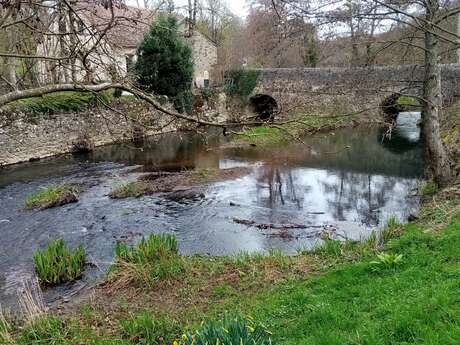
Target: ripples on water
x,y
350,181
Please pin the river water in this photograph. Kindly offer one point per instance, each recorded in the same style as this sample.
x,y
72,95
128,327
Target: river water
x,y
346,183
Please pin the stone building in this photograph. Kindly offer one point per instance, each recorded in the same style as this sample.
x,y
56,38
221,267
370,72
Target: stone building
x,y
116,51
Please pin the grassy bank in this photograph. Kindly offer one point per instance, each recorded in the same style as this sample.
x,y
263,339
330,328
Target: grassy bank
x,y
400,288
295,129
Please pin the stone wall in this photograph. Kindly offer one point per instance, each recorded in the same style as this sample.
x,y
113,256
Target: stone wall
x,y
26,137
204,56
343,90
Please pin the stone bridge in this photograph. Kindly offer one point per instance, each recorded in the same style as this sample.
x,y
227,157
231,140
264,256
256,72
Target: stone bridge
x,y
348,90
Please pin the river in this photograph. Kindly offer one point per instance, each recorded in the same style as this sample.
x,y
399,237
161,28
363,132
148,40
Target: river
x,y
346,183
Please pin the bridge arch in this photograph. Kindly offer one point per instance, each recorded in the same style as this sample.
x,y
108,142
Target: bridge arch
x,y
264,106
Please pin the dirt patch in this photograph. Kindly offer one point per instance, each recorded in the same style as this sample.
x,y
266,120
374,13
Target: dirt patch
x,y
180,182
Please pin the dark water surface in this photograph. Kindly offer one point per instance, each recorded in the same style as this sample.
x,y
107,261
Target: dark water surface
x,y
347,183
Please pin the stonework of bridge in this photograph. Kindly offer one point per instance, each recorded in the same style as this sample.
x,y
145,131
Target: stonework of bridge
x,y
349,90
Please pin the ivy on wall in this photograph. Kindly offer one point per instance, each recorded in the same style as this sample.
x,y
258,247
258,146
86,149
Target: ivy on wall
x,y
240,82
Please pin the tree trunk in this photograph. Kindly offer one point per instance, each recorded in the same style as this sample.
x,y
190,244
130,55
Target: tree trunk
x,y
458,34
10,63
436,155
190,18
10,72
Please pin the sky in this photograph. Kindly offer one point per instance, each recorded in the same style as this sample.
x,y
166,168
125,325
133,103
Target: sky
x,y
238,7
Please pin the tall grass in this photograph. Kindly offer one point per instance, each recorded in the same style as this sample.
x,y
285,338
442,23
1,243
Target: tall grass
x,y
391,230
58,264
329,247
153,259
148,250
5,330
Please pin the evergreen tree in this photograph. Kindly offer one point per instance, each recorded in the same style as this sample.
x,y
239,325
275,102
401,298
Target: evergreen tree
x,y
165,65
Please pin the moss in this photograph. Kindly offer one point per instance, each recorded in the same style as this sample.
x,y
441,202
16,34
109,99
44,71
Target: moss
x,y
52,196
407,100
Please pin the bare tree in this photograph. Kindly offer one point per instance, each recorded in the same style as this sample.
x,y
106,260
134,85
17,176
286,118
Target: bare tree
x,y
428,18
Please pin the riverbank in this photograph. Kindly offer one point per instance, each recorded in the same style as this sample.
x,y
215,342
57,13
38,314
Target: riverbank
x,y
67,122
342,293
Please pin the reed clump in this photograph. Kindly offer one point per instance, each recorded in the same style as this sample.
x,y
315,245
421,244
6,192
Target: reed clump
x,y
58,264
155,258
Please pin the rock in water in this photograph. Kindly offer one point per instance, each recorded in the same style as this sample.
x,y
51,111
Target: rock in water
x,y
185,195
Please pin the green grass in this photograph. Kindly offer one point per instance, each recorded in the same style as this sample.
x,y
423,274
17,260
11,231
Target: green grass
x,y
134,189
145,329
268,134
58,264
62,101
416,302
52,196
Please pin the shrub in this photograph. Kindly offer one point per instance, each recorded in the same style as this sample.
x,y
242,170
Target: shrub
x,y
58,264
144,329
232,330
165,64
52,196
385,261
241,82
153,259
